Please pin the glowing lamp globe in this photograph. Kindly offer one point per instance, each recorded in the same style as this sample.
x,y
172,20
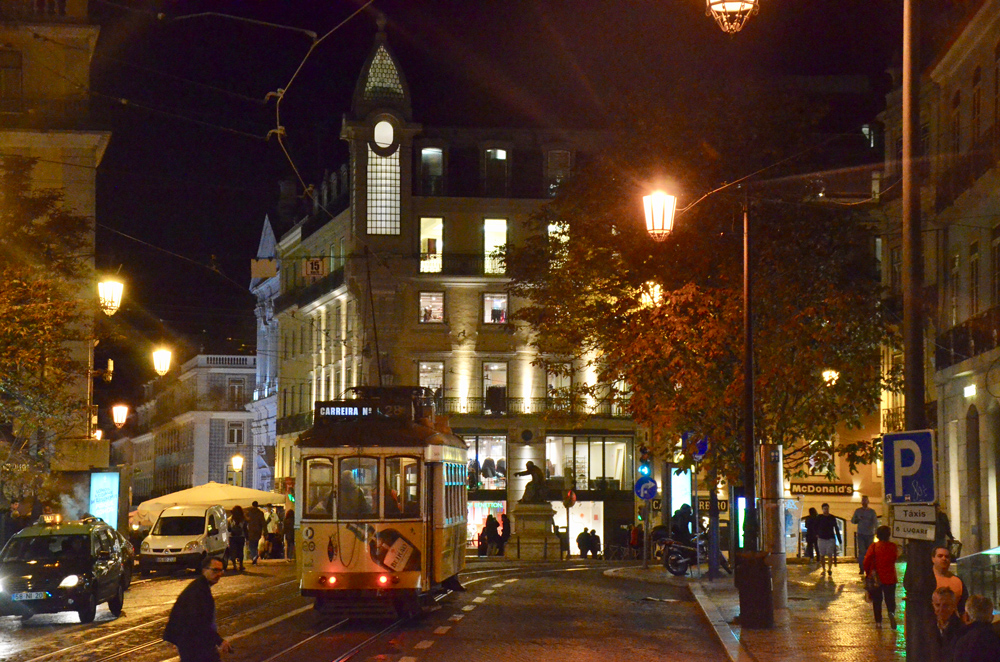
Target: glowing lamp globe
x,y
237,461
109,292
660,209
161,361
119,413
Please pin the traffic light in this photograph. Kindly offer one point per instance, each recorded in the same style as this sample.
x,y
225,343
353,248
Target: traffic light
x,y
645,461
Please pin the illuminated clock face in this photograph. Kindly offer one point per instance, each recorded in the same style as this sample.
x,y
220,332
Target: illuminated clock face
x,y
383,134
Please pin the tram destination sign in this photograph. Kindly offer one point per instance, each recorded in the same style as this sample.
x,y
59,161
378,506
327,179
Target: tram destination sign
x,y
361,409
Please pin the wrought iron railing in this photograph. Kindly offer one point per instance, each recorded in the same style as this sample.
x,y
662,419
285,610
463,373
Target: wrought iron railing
x,y
970,338
479,406
965,170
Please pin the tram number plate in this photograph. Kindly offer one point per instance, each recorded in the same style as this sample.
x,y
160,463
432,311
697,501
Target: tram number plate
x,y
166,559
35,595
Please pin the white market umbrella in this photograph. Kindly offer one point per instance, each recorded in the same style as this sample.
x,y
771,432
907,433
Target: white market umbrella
x,y
209,494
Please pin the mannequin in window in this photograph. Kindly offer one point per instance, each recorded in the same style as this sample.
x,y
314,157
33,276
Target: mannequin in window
x,y
501,467
489,468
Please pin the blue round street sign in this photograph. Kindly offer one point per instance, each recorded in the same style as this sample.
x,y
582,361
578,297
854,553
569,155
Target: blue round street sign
x,y
645,487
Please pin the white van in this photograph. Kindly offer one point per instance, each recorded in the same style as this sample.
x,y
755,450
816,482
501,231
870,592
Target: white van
x,y
182,536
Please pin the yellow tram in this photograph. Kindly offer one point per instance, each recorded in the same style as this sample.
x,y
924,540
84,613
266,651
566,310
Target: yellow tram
x,y
383,503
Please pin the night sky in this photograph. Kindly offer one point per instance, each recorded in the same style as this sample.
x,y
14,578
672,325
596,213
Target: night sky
x,y
190,172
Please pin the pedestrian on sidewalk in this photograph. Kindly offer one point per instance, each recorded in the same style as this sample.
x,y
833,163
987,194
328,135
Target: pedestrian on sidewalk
x,y
880,564
980,643
505,532
288,529
811,534
827,539
941,560
255,529
492,535
949,626
191,625
237,526
583,543
867,521
595,544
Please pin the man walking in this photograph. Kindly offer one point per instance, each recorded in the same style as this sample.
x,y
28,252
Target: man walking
x,y
867,521
255,529
583,543
191,626
827,539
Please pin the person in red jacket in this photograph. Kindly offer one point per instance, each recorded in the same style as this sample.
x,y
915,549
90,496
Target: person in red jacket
x,y
881,560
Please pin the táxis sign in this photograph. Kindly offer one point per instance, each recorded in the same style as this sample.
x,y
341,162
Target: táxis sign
x,y
823,489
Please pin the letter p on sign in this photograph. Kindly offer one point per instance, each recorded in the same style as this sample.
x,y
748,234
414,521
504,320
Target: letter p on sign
x,y
909,466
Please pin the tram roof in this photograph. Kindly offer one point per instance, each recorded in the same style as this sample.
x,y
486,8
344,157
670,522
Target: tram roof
x,y
376,432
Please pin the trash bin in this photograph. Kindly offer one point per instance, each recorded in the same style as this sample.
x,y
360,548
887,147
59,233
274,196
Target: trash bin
x,y
753,581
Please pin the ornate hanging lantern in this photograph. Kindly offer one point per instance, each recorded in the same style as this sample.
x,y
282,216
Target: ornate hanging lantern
x,y
731,15
660,209
110,294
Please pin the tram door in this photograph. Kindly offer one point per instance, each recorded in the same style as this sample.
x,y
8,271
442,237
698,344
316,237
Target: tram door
x,y
433,498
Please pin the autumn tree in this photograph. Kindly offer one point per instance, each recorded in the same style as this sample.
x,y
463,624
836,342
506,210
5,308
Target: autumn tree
x,y
45,253
661,323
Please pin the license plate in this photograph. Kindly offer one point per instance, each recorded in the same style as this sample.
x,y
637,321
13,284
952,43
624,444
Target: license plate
x,y
166,559
34,595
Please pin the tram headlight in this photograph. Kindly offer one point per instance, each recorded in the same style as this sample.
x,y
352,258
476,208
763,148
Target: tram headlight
x,y
383,579
331,580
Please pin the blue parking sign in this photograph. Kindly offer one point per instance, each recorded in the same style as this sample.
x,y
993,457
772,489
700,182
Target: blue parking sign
x,y
909,463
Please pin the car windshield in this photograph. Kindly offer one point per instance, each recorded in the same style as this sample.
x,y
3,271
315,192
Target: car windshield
x,y
179,526
47,548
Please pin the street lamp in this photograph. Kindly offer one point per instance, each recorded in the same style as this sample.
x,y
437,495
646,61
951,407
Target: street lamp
x,y
118,414
237,469
109,291
660,209
161,361
731,15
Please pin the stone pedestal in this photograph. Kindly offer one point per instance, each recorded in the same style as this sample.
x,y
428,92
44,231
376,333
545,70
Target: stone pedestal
x,y
534,540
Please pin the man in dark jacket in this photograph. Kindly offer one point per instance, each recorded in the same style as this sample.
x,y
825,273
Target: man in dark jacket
x,y
979,643
191,626
255,529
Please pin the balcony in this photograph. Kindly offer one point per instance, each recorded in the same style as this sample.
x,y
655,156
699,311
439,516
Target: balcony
x,y
972,337
44,11
295,423
493,406
302,295
965,170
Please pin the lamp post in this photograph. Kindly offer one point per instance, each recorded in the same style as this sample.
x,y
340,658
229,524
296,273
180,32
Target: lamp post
x,y
660,209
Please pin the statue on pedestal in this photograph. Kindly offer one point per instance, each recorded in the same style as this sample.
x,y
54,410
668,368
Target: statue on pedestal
x,y
534,491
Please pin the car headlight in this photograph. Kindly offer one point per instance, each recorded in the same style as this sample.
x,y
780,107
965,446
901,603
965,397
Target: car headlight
x,y
69,581
193,546
144,547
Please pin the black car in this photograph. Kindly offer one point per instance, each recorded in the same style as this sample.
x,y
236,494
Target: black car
x,y
55,566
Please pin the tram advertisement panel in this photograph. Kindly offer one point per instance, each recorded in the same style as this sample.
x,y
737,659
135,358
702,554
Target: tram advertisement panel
x,y
363,547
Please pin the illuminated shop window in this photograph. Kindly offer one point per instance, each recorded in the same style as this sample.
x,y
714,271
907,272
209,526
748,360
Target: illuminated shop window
x,y
494,308
432,307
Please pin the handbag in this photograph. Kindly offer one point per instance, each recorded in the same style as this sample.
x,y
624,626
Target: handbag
x,y
872,584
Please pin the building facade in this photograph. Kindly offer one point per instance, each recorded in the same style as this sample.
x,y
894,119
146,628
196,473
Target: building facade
x,y
960,207
397,277
191,424
46,49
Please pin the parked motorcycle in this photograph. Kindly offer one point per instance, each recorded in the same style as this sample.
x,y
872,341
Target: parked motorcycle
x,y
678,557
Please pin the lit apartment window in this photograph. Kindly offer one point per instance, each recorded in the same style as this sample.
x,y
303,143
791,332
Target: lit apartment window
x,y
973,278
558,163
494,308
432,375
432,307
234,432
494,241
494,387
10,81
432,171
383,182
431,244
496,172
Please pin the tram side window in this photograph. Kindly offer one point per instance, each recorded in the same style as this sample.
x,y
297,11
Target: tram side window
x,y
402,488
319,489
357,492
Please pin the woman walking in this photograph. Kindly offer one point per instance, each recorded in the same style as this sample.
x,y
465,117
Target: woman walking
x,y
237,537
880,575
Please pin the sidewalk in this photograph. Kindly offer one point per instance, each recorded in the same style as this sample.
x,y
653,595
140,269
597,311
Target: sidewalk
x,y
827,618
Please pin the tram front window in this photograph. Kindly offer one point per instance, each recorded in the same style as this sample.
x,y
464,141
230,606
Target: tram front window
x,y
319,489
402,488
357,492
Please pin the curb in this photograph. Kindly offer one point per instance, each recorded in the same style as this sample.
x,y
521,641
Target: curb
x,y
719,625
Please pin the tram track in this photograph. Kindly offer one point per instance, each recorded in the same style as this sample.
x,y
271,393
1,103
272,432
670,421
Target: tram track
x,y
66,650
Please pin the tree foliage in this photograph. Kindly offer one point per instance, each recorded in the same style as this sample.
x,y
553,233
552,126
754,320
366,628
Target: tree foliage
x,y
662,323
45,251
